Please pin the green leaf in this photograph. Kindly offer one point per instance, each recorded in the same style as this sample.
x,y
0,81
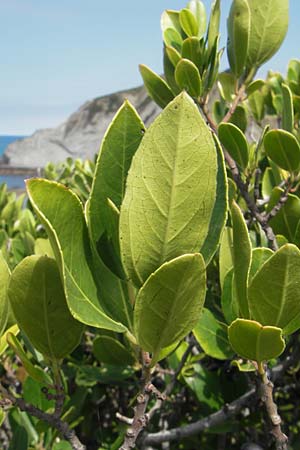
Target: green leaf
x,y
242,253
214,25
238,29
219,214
226,85
4,280
188,78
212,336
35,372
225,254
43,247
253,341
257,104
205,385
239,118
119,144
274,293
170,302
254,86
259,257
64,221
172,38
170,19
229,301
286,220
173,55
269,25
169,72
14,329
288,109
35,291
191,50
169,214
109,350
283,148
188,22
198,10
235,143
156,87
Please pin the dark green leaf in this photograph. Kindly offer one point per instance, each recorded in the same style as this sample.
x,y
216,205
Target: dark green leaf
x,y
241,258
212,336
188,78
35,291
156,87
283,148
238,28
235,143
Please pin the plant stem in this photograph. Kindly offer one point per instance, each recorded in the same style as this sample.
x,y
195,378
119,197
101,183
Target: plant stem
x,y
265,391
61,426
140,418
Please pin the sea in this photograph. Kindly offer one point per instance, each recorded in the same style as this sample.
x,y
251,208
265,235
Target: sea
x,y
12,181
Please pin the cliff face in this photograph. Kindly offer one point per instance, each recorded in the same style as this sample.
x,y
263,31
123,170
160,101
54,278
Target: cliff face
x,y
81,134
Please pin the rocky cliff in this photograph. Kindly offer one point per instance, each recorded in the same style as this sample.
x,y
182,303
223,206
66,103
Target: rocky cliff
x,y
81,134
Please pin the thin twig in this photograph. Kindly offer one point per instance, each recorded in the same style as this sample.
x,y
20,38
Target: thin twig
x,y
215,419
140,419
265,390
61,426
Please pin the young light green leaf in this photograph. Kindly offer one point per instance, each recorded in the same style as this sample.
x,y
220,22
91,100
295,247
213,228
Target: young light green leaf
x,y
226,85
269,24
214,25
238,29
14,329
39,305
169,214
188,78
212,336
235,143
253,341
119,144
169,72
288,109
35,372
43,247
199,12
283,148
4,280
109,350
170,19
173,55
156,87
64,221
274,293
241,258
170,302
188,22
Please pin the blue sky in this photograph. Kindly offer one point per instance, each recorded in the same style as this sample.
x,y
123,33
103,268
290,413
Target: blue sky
x,y
57,54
